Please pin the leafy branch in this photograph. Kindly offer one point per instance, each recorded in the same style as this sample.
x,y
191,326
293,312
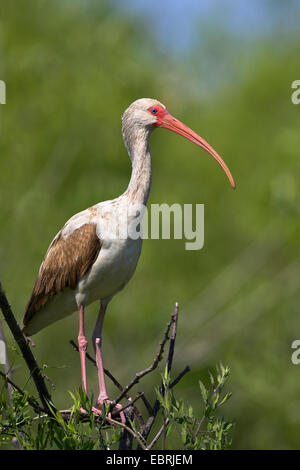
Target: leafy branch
x,y
37,424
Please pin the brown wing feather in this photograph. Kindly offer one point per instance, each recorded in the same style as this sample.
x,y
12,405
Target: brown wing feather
x,y
67,260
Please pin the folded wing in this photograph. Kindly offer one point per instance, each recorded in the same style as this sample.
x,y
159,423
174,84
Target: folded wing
x,y
67,260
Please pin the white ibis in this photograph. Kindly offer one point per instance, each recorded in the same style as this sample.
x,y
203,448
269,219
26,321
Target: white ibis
x,y
84,263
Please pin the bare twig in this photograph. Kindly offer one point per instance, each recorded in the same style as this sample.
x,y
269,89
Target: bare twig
x,y
173,337
147,404
162,429
116,412
156,406
154,364
26,351
198,427
179,377
139,439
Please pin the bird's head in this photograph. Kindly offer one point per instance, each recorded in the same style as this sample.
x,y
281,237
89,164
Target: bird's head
x,y
145,114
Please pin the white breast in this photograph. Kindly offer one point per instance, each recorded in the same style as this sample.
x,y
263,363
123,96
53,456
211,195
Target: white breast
x,y
117,258
111,271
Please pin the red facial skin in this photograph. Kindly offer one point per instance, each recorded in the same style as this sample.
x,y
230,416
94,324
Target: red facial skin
x,y
166,120
159,114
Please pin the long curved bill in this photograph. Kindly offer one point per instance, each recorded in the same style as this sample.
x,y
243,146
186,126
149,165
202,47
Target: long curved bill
x,y
169,122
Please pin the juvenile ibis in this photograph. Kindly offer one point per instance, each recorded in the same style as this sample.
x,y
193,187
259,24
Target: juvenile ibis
x,y
84,263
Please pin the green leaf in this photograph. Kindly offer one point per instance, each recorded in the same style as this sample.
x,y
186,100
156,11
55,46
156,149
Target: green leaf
x,y
203,392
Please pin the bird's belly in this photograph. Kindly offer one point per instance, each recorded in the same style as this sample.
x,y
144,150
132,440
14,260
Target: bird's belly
x,y
111,271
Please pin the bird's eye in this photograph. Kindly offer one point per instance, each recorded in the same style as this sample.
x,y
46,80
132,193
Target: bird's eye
x,y
153,110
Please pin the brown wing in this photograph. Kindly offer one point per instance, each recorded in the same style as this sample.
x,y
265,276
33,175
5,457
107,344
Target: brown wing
x,y
66,261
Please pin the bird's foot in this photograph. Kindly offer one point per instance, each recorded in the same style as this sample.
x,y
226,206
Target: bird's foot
x,y
98,409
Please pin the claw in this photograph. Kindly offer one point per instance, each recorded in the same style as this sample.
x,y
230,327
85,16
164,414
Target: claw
x,y
98,411
118,406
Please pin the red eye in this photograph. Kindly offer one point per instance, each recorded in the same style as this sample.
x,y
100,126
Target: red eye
x,y
154,110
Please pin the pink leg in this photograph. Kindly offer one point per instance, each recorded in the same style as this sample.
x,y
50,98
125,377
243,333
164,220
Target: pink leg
x,y
97,339
82,344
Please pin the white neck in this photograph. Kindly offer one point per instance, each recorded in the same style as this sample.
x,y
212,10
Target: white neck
x,y
137,144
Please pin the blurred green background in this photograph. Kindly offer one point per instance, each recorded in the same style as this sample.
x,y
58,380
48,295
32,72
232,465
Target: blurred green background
x,y
71,68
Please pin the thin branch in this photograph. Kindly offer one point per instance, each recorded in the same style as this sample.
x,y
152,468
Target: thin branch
x,y
198,427
169,367
173,337
154,364
138,438
147,404
117,412
162,429
156,407
26,351
179,377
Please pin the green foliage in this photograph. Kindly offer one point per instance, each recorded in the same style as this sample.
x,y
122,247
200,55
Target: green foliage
x,y
80,429
61,431
210,431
